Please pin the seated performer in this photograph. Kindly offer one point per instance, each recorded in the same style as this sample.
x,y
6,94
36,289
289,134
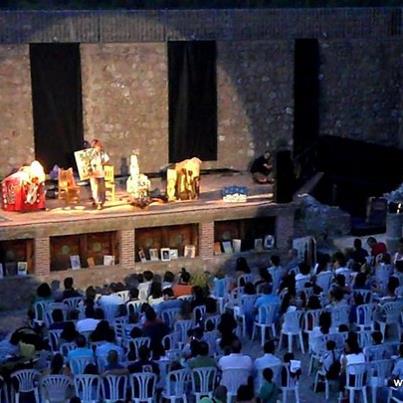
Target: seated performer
x,y
262,168
97,179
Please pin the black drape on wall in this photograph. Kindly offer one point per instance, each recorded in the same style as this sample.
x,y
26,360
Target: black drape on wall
x,y
192,100
56,100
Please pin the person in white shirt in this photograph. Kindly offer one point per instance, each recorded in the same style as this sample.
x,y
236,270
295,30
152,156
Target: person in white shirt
x,y
235,360
268,358
89,323
110,344
97,174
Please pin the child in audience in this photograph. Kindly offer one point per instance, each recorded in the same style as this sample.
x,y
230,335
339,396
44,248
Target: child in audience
x,y
269,391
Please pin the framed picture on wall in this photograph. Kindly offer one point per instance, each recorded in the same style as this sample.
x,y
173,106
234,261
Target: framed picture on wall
x,y
227,247
173,253
142,256
1,270
90,262
268,242
258,244
236,244
22,268
189,251
75,262
217,248
165,254
154,255
109,260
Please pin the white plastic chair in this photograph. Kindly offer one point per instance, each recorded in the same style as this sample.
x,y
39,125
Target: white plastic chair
x,y
182,327
88,388
276,368
366,295
144,291
65,348
323,280
198,314
139,342
245,278
170,341
40,309
232,379
134,307
392,311
4,391
292,327
203,382
365,317
265,320
359,384
382,275
54,339
169,316
114,387
276,278
291,386
365,338
123,295
73,303
55,388
311,320
379,372
27,380
211,339
52,306
214,320
78,364
176,385
376,352
340,315
143,387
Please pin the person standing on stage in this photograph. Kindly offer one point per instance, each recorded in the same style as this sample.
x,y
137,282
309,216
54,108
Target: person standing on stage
x,y
97,179
262,168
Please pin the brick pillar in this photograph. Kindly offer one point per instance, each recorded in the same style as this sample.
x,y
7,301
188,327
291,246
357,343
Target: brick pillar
x,y
284,230
42,256
126,248
206,240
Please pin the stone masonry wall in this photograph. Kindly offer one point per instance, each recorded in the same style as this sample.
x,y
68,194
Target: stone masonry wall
x,y
16,126
125,101
360,89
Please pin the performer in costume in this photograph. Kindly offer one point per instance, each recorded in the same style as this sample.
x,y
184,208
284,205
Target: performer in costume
x,y
262,168
97,179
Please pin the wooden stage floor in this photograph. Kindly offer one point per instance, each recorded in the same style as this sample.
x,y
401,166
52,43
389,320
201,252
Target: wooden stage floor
x,y
210,198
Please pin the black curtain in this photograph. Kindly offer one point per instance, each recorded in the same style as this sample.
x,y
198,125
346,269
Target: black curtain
x,y
306,93
192,100
56,100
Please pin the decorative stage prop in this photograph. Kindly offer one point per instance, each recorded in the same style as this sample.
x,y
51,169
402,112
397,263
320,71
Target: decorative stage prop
x,y
25,189
235,194
137,185
83,161
110,185
183,180
67,188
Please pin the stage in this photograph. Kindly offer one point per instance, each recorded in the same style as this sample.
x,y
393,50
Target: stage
x,y
47,239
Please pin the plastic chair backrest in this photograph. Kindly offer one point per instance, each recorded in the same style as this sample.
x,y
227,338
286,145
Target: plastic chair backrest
x,y
182,326
292,321
365,314
40,309
73,303
55,387
323,280
54,339
175,382
199,312
134,307
139,342
203,380
232,378
170,341
340,315
169,315
392,311
359,371
143,385
381,369
266,314
124,295
78,364
114,387
26,379
65,348
88,387
311,319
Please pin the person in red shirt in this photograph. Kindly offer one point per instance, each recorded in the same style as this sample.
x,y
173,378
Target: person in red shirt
x,y
183,287
377,248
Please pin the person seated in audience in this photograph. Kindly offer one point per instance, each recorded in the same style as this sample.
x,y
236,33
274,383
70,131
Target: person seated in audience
x,y
313,303
336,297
358,300
339,263
268,359
304,273
111,300
294,374
69,291
190,349
227,326
202,358
245,394
391,287
376,247
267,297
275,265
261,168
155,297
183,287
322,264
168,280
155,329
361,282
289,302
329,362
264,277
100,331
211,306
359,254
340,283
91,320
58,320
235,359
325,323
198,297
81,350
133,294
57,293
144,364
57,366
169,301
113,367
110,344
292,260
269,390
352,355
219,395
248,306
9,347
43,293
69,333
241,268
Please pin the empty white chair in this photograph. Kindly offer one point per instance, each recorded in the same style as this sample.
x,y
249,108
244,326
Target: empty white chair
x,y
169,316
55,388
211,339
203,382
365,338
73,303
292,385
27,381
375,352
292,327
392,311
232,379
358,381
143,387
382,275
175,386
114,387
265,320
379,372
88,388
365,316
78,364
182,327
54,339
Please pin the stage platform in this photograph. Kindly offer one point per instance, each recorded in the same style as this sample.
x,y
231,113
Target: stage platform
x,y
47,239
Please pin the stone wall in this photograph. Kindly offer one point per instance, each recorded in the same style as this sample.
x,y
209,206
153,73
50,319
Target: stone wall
x,y
125,101
16,126
360,90
255,99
